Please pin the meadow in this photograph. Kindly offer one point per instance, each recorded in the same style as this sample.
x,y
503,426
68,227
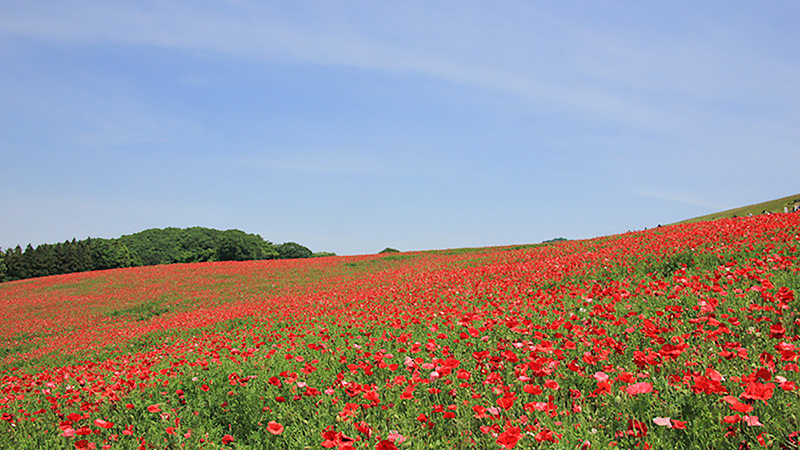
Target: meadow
x,y
682,337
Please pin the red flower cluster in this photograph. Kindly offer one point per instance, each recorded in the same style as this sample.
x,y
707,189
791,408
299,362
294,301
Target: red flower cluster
x,y
535,344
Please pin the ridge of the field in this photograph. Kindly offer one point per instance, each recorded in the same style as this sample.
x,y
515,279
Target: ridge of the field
x,y
683,336
779,205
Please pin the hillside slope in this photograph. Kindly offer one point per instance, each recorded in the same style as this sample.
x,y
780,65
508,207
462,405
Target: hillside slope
x,y
679,337
772,206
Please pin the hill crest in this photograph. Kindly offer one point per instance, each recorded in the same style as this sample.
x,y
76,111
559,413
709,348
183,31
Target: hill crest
x,y
784,204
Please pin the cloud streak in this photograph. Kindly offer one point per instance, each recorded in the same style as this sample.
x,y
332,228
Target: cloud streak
x,y
523,52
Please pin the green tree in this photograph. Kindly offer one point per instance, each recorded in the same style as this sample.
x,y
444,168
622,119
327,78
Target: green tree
x,y
148,247
2,266
236,245
18,264
153,246
13,257
197,244
233,247
289,250
109,254
82,255
43,261
321,254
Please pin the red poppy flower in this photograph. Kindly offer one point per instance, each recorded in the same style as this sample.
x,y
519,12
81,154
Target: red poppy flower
x,y
546,435
637,428
736,405
103,424
509,438
274,427
752,421
758,391
385,445
732,419
776,331
507,400
642,387
451,363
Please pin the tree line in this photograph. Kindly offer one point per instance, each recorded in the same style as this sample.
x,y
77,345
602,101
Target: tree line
x,y
145,248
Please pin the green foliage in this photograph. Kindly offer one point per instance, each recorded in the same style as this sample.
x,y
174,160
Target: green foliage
x,y
2,265
670,265
47,259
171,245
389,250
322,254
398,257
141,312
289,250
109,254
17,265
235,245
146,248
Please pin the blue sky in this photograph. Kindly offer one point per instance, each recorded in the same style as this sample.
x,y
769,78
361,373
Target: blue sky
x,y
355,125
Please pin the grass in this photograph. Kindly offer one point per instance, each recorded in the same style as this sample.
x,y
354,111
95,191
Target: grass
x,y
498,348
142,311
772,206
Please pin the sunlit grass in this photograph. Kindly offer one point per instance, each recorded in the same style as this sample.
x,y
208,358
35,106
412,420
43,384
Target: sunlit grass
x,y
680,337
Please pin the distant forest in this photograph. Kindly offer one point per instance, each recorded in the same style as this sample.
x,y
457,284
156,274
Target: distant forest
x,y
146,248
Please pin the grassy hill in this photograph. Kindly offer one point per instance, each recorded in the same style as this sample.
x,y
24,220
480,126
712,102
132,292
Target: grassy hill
x,y
772,206
669,338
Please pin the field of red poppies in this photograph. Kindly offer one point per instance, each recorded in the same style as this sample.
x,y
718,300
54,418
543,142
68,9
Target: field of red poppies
x,y
675,337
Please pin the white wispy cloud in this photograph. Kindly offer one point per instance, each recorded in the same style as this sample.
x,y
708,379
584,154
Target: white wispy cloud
x,y
692,85
533,53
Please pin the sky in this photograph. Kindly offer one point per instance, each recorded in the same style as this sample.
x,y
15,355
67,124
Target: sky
x,y
351,126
